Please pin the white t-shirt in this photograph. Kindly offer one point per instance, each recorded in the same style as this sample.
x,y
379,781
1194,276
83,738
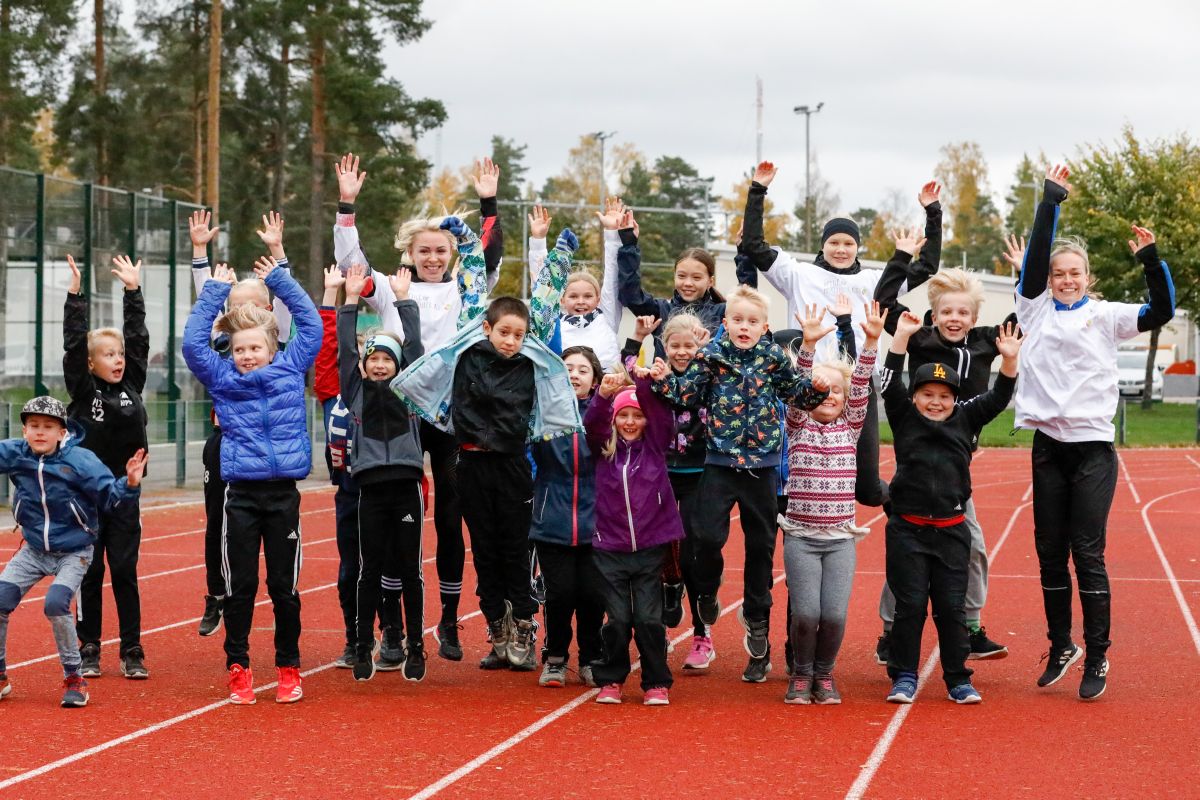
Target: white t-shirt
x,y
1067,387
601,333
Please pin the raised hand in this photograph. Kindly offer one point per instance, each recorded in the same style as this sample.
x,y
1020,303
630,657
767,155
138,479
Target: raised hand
x,y
908,241
264,266
455,225
930,193
821,383
1145,238
567,242
539,223
487,178
334,279
737,237
400,282
1058,174
644,326
272,234
135,468
614,210
350,180
1014,251
764,173
813,325
76,277
908,324
198,228
703,336
222,272
873,325
127,272
659,370
356,281
841,305
1009,340
611,383
627,221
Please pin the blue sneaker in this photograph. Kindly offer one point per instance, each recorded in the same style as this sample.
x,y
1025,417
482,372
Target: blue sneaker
x,y
965,694
904,688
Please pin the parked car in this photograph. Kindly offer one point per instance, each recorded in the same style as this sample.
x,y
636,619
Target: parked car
x,y
1131,375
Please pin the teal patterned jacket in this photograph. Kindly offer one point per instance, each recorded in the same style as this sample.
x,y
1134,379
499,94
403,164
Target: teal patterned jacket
x,y
742,390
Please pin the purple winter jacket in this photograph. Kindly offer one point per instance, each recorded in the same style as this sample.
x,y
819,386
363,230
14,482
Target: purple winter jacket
x,y
635,507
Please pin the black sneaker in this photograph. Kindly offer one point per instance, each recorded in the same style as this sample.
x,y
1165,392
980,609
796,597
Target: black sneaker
x,y
1058,662
364,664
672,604
133,664
391,651
346,659
883,650
709,608
414,662
89,656
1094,681
757,669
982,647
492,661
214,609
756,640
446,635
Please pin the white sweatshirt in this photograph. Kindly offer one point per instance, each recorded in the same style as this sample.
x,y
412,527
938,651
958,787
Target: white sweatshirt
x,y
601,333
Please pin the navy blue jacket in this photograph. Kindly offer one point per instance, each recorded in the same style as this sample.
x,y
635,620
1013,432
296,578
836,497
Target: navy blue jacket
x,y
708,308
564,490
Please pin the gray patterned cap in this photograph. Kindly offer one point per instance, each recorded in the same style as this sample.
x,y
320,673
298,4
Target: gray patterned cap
x,y
45,406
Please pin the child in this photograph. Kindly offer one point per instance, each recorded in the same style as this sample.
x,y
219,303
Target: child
x,y
928,543
1068,396
564,517
388,464
443,300
951,338
253,291
591,314
506,388
695,282
836,270
105,373
819,531
62,491
636,519
258,393
740,378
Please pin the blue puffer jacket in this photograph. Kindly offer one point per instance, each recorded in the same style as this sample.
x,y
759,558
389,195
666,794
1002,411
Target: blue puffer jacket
x,y
59,497
262,412
564,490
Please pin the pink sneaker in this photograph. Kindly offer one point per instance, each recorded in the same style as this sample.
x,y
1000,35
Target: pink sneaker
x,y
656,696
610,694
701,655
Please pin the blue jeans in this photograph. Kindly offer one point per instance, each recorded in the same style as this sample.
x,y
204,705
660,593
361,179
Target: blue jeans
x,y
27,567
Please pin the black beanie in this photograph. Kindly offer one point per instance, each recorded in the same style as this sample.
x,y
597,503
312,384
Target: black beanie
x,y
841,225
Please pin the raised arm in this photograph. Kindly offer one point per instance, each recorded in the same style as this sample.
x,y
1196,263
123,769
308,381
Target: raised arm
x,y
931,254
410,318
272,237
75,340
472,270
1035,271
610,221
691,389
548,288
302,350
597,420
753,239
860,379
347,336
487,184
326,383
201,234
137,336
201,359
891,381
1161,306
898,274
660,419
629,273
983,408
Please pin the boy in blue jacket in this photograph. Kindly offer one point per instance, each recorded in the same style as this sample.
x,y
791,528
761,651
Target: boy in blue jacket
x,y
258,393
61,492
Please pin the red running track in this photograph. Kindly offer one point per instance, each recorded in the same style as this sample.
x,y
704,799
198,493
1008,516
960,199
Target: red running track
x,y
464,733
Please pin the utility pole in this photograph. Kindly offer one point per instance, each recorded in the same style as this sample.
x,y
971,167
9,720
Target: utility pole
x,y
758,120
212,181
807,112
602,137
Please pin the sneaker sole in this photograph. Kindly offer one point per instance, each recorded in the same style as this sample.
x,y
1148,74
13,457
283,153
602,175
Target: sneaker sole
x,y
75,703
234,700
826,701
135,675
969,701
609,701
656,702
415,680
552,684
763,679
1078,655
883,661
992,655
369,676
700,667
389,666
902,699
798,701
213,632
90,673
288,700
6,691
343,665
1096,696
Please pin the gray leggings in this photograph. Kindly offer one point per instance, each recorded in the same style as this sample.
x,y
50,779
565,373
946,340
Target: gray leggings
x,y
977,576
819,576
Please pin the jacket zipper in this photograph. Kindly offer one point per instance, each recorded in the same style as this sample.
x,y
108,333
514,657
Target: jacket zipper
x,y
575,492
78,517
45,507
267,430
628,507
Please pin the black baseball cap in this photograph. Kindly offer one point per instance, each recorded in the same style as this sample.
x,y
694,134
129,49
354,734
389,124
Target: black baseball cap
x,y
936,372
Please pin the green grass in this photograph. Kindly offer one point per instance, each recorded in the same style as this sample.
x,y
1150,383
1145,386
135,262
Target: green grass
x,y
1164,425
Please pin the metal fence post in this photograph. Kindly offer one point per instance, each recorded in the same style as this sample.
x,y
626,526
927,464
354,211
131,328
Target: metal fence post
x,y
181,445
85,277
172,389
39,316
5,426
1121,421
132,227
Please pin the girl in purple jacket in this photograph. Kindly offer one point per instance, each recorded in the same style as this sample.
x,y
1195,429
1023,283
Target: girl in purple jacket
x,y
636,520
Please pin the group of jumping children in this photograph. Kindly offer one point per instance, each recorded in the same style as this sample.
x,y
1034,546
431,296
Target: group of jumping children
x,y
597,478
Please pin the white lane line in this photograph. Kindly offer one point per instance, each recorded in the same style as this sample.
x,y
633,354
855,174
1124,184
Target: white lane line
x,y
867,772
158,726
1132,490
1166,565
201,530
200,502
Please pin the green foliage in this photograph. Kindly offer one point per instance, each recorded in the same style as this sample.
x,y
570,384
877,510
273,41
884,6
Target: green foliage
x,y
1023,194
510,158
972,222
670,183
32,36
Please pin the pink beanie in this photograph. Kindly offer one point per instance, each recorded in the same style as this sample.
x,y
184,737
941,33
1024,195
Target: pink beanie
x,y
626,398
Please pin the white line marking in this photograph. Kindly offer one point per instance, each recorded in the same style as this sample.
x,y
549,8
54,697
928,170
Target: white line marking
x,y
1136,499
875,760
1162,557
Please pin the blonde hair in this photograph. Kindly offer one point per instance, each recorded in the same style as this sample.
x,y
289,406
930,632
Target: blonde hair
x,y
257,285
1073,245
586,277
245,318
610,447
747,295
103,333
683,322
842,366
955,281
408,231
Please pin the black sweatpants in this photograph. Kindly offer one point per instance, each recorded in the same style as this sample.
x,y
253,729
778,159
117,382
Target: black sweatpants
x,y
684,485
753,490
389,543
632,586
447,517
345,515
214,514
1073,485
119,541
572,590
496,496
869,488
928,565
266,514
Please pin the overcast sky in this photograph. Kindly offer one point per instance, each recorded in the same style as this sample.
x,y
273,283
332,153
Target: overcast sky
x,y
898,81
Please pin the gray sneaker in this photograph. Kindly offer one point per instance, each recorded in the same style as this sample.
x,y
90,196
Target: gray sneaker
x,y
554,674
521,642
757,669
585,675
391,652
499,632
799,691
89,655
824,692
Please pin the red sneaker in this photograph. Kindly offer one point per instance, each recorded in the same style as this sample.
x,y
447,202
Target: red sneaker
x,y
290,689
241,686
